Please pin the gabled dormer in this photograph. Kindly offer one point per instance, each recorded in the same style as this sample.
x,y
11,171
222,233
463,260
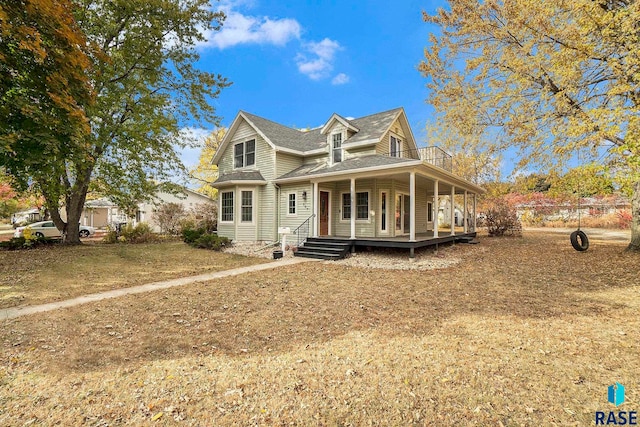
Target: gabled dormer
x,y
337,130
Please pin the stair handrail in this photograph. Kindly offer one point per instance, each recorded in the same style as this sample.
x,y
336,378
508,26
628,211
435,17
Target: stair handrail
x,y
298,232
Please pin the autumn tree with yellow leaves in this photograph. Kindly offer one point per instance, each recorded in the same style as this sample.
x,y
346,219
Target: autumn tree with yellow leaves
x,y
551,79
205,172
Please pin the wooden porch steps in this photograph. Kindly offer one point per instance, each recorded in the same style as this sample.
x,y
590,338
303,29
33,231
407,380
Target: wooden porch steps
x,y
466,239
328,249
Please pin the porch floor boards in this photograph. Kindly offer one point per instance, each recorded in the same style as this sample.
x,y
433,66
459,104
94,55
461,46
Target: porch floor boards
x,y
422,240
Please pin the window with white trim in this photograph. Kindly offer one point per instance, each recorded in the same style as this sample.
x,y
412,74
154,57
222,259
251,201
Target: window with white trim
x,y
346,206
244,154
362,206
246,206
395,147
226,208
291,204
337,147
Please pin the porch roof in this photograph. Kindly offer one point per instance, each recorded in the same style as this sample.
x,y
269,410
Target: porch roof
x,y
374,165
349,165
239,177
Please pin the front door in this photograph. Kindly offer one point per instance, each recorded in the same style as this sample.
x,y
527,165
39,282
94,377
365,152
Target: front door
x,y
403,213
324,213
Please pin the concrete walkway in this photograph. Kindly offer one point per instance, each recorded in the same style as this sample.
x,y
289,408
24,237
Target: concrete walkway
x,y
13,312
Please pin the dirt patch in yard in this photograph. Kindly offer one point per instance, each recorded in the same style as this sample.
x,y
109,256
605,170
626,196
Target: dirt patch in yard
x,y
521,331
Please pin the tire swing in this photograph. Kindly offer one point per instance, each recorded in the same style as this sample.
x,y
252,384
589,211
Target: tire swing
x,y
579,239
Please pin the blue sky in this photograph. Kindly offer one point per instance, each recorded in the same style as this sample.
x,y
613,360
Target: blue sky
x,y
298,62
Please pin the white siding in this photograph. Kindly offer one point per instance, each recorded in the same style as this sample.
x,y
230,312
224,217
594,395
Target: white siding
x,y
396,129
243,133
321,158
304,208
264,227
247,231
360,151
364,228
286,163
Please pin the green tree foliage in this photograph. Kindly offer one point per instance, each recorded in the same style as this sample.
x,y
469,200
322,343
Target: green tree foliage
x,y
143,87
552,77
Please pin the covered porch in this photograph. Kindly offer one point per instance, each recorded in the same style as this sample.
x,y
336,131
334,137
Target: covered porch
x,y
415,205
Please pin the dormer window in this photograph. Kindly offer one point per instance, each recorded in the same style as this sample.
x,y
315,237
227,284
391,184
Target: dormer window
x,y
337,147
244,154
395,147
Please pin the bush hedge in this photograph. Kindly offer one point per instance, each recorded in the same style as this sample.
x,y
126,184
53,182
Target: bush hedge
x,y
17,243
141,233
201,238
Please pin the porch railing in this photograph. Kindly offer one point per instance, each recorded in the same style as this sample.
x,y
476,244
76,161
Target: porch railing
x,y
302,232
433,155
436,156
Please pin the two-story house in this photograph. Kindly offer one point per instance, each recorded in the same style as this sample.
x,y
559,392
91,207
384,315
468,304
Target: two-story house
x,y
363,181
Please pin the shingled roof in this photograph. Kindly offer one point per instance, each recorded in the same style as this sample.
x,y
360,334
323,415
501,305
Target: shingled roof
x,y
286,137
371,127
240,175
349,165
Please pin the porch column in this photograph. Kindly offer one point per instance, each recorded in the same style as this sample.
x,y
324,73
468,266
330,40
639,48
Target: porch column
x,y
453,211
475,213
436,208
353,208
316,208
412,209
465,213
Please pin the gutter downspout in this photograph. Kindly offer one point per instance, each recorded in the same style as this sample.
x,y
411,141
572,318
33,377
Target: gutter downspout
x,y
277,239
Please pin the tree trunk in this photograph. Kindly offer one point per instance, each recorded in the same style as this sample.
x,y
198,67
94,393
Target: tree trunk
x,y
71,228
635,219
74,215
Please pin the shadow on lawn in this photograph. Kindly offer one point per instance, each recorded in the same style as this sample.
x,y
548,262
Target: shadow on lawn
x,y
275,311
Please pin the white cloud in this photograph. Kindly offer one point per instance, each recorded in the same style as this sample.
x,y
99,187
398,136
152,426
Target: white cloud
x,y
319,64
340,79
244,29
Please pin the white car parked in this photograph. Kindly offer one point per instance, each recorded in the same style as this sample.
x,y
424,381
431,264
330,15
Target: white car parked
x,y
48,229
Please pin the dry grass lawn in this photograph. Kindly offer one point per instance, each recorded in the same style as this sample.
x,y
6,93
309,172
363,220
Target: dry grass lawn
x,y
49,274
525,331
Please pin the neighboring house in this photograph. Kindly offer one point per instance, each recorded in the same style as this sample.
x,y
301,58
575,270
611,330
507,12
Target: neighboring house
x,y
549,209
444,213
102,212
26,217
360,179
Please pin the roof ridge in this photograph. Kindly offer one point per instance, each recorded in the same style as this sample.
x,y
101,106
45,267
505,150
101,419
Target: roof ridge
x,y
271,121
378,113
337,114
